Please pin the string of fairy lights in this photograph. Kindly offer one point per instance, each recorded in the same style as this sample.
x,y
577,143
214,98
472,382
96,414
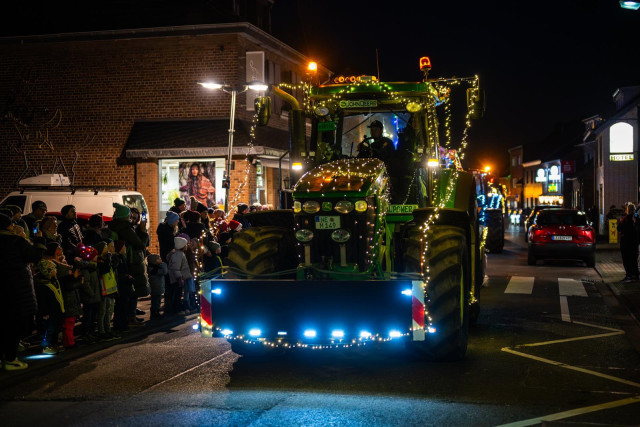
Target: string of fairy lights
x,y
439,91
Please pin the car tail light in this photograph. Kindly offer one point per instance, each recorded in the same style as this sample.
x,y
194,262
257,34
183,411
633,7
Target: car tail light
x,y
585,235
539,234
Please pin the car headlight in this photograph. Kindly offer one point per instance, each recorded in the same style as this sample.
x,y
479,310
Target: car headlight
x,y
344,206
361,206
297,207
304,235
340,235
311,206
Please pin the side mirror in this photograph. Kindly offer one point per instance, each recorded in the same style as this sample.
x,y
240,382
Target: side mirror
x,y
262,105
475,102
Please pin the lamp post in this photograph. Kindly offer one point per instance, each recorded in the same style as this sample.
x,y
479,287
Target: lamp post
x,y
234,91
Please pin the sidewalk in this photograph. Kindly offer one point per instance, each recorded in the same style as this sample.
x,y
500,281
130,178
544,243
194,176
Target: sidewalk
x,y
609,266
39,362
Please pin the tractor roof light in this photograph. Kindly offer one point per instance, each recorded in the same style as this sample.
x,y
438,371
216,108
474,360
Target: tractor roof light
x,y
297,166
312,66
433,163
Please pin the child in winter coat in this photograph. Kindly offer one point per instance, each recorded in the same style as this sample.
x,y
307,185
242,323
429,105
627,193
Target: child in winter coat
x,y
71,281
180,275
50,304
156,269
108,290
90,293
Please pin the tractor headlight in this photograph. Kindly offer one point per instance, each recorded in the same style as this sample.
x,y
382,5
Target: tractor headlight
x,y
361,206
344,206
413,107
340,235
304,235
311,206
297,207
321,111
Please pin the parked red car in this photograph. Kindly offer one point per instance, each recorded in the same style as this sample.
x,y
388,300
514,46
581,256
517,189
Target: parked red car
x,y
562,234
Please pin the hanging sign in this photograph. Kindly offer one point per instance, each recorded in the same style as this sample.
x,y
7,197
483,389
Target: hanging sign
x,y
358,103
620,157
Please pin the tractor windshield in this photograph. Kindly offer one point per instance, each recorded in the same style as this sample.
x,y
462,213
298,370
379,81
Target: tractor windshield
x,y
342,136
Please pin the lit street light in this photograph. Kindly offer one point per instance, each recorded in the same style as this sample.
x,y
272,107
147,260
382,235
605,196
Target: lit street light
x,y
234,91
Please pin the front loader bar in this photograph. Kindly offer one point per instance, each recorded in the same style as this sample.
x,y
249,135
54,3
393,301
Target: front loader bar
x,y
332,310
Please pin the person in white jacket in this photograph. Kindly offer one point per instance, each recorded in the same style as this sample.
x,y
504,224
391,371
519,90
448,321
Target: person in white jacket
x,y
180,279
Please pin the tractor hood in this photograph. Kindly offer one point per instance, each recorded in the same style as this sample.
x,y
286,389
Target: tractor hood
x,y
344,178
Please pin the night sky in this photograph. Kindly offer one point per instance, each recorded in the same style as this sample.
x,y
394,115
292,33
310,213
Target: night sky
x,y
540,62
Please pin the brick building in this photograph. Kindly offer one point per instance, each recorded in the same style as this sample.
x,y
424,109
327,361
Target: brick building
x,y
128,103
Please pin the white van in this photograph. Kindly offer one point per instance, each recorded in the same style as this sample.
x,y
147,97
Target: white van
x,y
56,191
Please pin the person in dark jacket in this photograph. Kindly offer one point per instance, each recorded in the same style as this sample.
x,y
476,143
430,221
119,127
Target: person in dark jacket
x,y
16,217
95,231
18,303
126,289
137,240
179,206
38,211
166,231
628,232
71,233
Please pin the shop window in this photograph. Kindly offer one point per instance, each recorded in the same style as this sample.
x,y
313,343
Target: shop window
x,y
183,178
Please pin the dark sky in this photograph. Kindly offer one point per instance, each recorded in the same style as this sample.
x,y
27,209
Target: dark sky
x,y
540,62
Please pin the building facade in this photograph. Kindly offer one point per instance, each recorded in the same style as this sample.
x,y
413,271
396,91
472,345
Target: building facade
x,y
617,178
122,108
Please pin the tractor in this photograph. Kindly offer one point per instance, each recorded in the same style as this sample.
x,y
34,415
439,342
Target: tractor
x,y
377,240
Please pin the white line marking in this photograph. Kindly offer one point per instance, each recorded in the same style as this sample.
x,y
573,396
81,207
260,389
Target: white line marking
x,y
519,285
564,309
571,287
574,412
590,337
184,372
571,367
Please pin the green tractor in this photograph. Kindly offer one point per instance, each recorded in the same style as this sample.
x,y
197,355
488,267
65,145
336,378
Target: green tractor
x,y
378,239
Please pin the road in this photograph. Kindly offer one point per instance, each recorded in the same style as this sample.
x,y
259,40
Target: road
x,y
546,348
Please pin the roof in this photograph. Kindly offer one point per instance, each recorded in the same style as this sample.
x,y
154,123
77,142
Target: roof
x,y
202,138
620,113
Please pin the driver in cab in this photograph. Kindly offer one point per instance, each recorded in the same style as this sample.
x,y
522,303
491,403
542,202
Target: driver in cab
x,y
376,145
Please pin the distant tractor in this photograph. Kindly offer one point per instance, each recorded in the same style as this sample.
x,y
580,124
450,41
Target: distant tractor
x,y
379,242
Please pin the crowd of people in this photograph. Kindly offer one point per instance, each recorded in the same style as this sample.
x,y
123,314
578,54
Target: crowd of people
x,y
72,285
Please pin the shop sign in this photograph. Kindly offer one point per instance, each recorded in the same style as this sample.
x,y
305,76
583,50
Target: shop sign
x,y
554,173
553,187
620,157
568,166
541,175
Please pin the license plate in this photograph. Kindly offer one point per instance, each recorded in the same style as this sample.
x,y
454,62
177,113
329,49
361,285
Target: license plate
x,y
327,222
569,238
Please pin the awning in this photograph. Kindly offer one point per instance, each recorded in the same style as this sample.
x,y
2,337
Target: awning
x,y
203,138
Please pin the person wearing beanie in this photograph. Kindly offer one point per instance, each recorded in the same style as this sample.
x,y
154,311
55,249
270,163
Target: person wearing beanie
x,y
17,218
241,210
179,205
194,228
157,270
166,231
50,304
137,240
18,306
235,226
211,260
180,278
70,231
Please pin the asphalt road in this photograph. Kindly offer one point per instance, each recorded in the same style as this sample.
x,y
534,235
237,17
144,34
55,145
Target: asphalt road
x,y
546,349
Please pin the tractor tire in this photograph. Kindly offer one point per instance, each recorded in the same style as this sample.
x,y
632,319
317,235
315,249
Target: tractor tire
x,y
447,302
495,235
261,250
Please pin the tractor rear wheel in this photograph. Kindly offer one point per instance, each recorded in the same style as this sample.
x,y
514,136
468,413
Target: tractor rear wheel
x,y
262,250
447,302
495,235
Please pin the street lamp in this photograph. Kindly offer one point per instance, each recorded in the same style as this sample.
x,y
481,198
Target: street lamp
x,y
234,91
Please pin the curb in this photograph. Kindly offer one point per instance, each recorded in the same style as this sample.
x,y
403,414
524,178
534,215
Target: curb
x,y
8,379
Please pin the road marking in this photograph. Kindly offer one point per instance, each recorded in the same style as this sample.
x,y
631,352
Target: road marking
x,y
519,285
574,412
571,367
564,309
571,287
586,409
184,372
